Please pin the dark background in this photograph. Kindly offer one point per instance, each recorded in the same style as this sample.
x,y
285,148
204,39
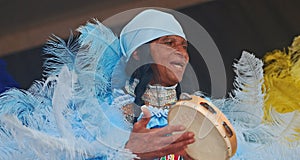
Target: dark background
x,y
257,26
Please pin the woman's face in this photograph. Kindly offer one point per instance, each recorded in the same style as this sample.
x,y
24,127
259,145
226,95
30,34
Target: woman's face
x,y
170,58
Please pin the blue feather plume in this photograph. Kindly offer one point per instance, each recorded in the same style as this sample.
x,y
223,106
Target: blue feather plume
x,y
59,53
99,54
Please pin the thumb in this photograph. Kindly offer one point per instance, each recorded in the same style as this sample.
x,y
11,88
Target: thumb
x,y
146,112
146,117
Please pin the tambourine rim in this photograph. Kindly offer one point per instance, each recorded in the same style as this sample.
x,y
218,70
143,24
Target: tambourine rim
x,y
189,104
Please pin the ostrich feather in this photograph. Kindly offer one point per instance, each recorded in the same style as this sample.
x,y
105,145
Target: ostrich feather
x,y
61,98
294,52
282,86
94,55
245,104
59,53
286,126
282,73
99,54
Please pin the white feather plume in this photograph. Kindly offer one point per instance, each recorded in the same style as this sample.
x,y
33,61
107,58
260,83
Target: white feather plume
x,y
246,101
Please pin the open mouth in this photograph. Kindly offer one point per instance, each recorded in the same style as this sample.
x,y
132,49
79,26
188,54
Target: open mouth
x,y
179,65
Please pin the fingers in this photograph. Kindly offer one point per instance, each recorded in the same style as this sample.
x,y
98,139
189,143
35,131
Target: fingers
x,y
170,129
175,138
186,138
174,143
150,145
180,145
140,126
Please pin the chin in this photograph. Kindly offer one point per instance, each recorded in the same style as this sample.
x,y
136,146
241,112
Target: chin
x,y
175,81
178,78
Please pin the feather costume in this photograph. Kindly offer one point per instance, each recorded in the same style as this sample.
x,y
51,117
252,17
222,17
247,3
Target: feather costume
x,y
69,115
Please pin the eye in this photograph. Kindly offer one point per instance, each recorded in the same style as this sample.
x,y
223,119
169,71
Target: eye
x,y
184,47
168,43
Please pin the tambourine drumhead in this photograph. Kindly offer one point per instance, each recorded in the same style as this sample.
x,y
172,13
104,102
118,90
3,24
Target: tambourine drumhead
x,y
215,137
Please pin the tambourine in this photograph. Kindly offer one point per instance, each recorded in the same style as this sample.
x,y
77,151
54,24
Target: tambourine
x,y
214,134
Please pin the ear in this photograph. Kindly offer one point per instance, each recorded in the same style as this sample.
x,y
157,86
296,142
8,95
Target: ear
x,y
135,55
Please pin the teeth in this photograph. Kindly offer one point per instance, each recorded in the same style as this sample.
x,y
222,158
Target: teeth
x,y
177,66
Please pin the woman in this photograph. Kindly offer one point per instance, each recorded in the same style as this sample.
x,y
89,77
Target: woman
x,y
157,51
155,86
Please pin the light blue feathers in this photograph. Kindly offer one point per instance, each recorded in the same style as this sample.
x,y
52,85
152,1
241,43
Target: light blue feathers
x,y
98,61
65,115
59,53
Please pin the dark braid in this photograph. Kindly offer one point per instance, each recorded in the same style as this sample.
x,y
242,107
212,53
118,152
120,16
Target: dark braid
x,y
146,75
178,91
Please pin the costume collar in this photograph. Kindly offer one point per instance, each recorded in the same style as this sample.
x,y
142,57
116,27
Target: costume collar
x,y
155,95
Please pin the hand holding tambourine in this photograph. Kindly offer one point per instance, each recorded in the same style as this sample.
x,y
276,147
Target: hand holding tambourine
x,y
214,134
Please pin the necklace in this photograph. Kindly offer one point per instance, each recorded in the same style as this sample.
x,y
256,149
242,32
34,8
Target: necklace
x,y
155,95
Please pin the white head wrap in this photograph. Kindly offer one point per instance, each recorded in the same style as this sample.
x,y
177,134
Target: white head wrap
x,y
147,26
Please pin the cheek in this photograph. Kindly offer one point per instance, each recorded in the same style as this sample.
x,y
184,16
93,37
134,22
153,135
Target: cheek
x,y
162,69
160,54
164,72
160,58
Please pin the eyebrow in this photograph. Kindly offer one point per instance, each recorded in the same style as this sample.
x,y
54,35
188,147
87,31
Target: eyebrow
x,y
171,38
185,42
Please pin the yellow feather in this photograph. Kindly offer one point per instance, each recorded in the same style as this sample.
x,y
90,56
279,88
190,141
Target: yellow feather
x,y
282,82
294,52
